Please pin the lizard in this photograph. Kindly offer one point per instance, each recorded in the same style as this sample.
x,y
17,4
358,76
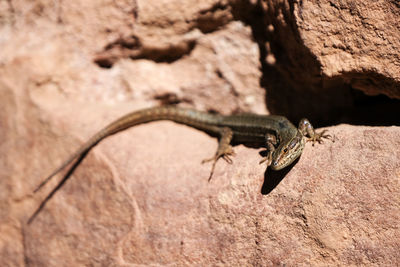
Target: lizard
x,y
284,142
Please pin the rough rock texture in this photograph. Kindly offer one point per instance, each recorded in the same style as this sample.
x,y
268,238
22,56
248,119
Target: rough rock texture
x,y
67,68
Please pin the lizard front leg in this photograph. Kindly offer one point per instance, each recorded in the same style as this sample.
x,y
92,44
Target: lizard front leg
x,y
224,150
307,130
270,143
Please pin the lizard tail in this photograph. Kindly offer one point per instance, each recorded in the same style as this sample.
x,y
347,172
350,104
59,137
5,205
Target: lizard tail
x,y
85,148
190,117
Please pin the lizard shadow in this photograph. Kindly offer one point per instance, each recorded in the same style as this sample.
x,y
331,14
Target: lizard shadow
x,y
273,178
66,176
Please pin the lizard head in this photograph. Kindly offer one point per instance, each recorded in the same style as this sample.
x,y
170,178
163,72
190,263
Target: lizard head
x,y
287,152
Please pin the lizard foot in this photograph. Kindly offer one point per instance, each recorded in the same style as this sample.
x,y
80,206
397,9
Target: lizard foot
x,y
226,154
319,137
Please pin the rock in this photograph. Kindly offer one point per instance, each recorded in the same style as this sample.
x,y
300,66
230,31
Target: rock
x,y
142,196
324,52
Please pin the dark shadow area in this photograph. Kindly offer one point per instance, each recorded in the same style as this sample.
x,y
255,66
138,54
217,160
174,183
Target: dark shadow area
x,y
273,178
206,20
377,110
131,47
167,54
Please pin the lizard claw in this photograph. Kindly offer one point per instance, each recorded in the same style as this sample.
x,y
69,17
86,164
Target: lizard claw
x,y
227,158
226,155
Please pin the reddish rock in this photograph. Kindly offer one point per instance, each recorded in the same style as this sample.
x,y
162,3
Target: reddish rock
x,y
141,196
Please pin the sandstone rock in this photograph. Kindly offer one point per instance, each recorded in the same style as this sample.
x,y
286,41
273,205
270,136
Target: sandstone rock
x,y
324,50
141,196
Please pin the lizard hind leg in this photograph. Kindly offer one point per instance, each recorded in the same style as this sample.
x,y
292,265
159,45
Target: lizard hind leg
x,y
224,150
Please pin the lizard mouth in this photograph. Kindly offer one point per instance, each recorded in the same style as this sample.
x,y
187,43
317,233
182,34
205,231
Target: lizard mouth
x,y
276,165
278,162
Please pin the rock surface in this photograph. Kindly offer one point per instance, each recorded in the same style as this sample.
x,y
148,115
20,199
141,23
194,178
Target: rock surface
x,y
67,68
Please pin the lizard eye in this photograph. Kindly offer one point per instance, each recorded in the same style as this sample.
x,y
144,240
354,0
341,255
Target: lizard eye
x,y
285,150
